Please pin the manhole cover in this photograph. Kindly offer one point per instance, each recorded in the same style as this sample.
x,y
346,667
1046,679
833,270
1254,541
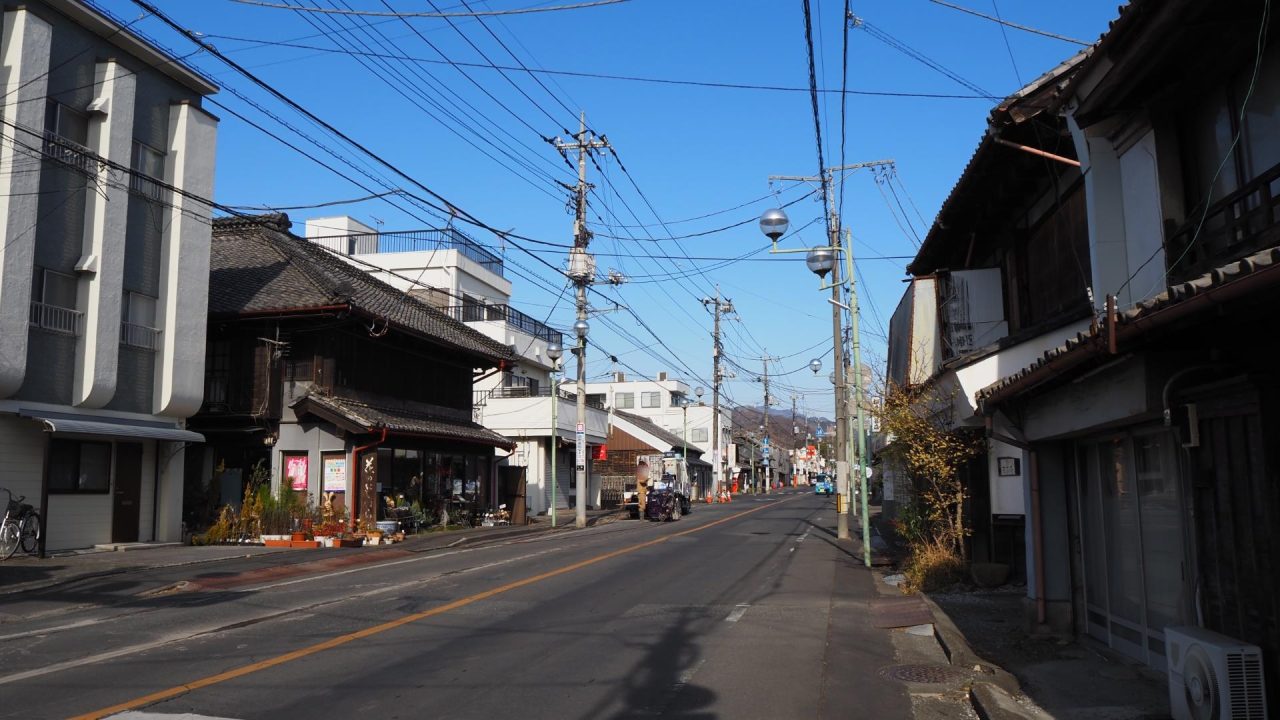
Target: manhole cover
x,y
933,674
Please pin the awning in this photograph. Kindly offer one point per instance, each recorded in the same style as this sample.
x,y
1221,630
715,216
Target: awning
x,y
111,427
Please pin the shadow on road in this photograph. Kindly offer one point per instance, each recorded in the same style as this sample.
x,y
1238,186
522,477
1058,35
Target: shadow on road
x,y
661,682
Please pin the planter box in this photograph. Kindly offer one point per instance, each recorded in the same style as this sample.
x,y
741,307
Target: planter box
x,y
272,542
309,544
353,542
298,536
265,537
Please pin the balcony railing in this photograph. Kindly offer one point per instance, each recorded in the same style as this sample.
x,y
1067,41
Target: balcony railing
x,y
542,391
56,319
511,316
1240,224
139,336
70,153
413,241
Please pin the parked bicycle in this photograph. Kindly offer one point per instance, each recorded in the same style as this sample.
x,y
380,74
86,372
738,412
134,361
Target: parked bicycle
x,y
20,527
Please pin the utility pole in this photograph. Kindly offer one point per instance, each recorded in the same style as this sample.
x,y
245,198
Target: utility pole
x,y
718,307
795,430
768,451
581,271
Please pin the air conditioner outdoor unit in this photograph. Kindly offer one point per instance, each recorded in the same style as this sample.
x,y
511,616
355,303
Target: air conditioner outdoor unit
x,y
1213,677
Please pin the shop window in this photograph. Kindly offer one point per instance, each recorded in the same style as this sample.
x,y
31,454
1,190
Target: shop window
x,y
651,399
79,467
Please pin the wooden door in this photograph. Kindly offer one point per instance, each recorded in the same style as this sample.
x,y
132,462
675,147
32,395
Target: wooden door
x,y
127,496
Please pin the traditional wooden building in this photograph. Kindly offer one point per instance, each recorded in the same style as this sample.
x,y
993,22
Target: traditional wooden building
x,y
336,382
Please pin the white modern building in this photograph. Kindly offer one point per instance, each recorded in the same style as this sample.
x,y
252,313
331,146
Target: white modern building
x,y
104,272
452,271
672,405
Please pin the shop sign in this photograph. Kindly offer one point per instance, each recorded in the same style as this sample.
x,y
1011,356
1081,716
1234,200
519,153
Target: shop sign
x,y
295,469
335,474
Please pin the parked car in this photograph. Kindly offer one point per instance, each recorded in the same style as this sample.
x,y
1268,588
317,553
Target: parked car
x,y
823,486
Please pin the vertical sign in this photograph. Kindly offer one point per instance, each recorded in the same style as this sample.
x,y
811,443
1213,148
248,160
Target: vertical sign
x,y
580,440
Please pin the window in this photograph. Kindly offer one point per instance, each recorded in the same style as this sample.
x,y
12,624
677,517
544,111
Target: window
x,y
699,435
79,467
138,321
53,301
217,372
651,399
148,171
66,123
624,401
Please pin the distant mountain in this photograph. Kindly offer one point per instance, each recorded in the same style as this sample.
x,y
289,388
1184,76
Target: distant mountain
x,y
749,420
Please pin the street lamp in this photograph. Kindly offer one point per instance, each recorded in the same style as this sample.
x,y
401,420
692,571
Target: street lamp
x,y
554,352
815,365
580,328
774,223
820,260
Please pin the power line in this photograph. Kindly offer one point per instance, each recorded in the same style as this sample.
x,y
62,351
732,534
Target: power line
x,y
437,14
1006,23
622,78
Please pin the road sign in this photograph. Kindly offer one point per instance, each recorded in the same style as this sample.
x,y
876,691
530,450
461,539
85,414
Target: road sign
x,y
820,431
580,440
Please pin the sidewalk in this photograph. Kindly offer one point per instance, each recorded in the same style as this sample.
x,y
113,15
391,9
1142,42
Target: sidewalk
x,y
1016,675
26,574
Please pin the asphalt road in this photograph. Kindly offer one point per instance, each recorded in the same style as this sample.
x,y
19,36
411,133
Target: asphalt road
x,y
747,610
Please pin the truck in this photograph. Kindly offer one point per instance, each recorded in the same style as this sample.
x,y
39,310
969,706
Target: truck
x,y
669,494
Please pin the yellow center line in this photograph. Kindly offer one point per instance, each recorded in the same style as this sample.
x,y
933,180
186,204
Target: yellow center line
x,y
340,640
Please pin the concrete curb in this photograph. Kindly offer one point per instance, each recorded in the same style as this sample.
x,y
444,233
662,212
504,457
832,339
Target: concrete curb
x,y
991,699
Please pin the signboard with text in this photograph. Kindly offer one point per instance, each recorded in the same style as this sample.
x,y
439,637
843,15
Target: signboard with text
x,y
580,442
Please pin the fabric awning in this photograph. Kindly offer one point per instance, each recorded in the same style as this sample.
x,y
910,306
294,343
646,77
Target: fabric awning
x,y
112,427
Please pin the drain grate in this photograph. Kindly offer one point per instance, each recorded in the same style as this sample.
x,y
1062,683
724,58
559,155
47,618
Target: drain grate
x,y
931,674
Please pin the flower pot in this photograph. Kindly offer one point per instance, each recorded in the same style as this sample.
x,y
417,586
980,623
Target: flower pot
x,y
298,536
325,540
348,542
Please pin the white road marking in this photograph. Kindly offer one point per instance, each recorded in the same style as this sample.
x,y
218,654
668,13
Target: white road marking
x,y
737,613
804,535
59,628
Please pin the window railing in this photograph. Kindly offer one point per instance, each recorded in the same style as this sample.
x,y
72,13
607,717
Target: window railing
x,y
479,312
1240,224
139,336
414,241
56,319
70,153
148,187
541,391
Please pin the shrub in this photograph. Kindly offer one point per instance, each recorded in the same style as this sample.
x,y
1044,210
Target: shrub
x,y
932,566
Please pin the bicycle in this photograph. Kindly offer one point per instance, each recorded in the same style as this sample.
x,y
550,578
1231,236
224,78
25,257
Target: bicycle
x,y
20,527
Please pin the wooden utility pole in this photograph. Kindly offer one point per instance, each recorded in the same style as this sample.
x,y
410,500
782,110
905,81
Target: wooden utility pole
x,y
582,272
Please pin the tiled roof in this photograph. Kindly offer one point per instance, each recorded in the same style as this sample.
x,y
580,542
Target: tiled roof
x,y
257,265
371,415
652,428
1261,266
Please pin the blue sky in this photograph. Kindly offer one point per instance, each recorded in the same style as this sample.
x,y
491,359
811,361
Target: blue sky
x,y
690,150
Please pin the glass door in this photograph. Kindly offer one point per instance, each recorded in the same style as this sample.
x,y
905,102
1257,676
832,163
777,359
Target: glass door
x,y
1133,549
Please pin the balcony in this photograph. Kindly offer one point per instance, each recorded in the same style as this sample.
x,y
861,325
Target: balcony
x,y
56,319
71,154
413,241
1240,224
527,392
139,336
511,316
521,412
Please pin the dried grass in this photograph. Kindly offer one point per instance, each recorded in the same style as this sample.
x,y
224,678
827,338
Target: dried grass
x,y
932,566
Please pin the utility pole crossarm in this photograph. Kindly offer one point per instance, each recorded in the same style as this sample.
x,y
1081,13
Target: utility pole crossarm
x,y
831,170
